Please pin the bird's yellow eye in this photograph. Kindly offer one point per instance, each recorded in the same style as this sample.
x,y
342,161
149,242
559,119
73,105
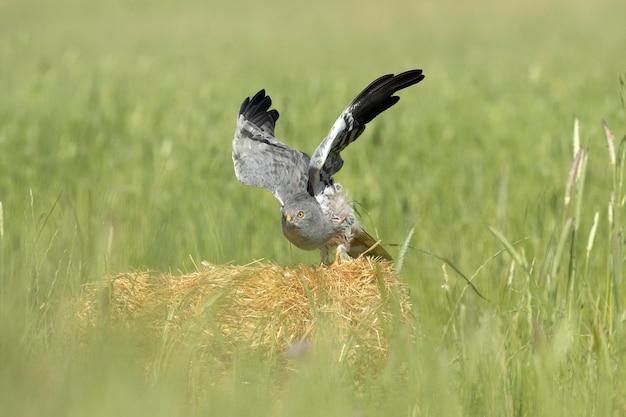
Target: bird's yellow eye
x,y
300,214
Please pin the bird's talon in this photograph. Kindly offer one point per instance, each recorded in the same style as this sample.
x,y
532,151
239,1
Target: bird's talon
x,y
337,260
334,265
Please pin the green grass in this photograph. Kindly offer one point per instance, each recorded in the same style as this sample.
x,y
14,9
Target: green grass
x,y
115,127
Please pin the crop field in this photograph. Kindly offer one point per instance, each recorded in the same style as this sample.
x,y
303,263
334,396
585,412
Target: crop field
x,y
503,168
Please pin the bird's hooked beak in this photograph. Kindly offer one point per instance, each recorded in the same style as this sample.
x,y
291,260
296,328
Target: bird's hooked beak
x,y
288,218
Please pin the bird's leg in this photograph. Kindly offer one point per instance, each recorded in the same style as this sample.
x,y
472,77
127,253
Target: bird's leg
x,y
335,263
324,254
340,250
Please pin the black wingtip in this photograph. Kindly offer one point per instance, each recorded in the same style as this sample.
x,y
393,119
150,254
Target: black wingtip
x,y
407,79
256,109
378,95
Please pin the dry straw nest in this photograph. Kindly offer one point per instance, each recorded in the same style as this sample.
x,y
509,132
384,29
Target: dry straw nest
x,y
261,305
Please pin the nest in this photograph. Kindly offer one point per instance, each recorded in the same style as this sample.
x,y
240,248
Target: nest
x,y
262,306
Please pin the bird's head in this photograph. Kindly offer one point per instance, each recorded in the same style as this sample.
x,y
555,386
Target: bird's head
x,y
303,222
291,219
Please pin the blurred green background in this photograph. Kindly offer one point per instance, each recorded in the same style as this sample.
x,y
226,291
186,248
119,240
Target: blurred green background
x,y
115,127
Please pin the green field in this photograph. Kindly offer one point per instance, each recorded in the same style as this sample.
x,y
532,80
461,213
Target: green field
x,y
116,121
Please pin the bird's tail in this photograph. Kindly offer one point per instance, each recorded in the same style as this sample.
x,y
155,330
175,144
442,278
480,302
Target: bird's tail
x,y
363,243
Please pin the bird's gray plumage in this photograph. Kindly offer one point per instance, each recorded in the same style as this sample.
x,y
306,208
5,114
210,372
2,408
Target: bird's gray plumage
x,y
316,214
260,159
373,100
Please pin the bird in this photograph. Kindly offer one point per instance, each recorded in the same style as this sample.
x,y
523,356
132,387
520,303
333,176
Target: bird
x,y
315,211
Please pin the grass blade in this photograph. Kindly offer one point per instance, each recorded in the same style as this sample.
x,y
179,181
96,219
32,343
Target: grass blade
x,y
519,259
457,270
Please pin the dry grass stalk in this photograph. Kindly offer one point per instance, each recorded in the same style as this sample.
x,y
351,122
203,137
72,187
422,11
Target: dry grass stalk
x,y
261,305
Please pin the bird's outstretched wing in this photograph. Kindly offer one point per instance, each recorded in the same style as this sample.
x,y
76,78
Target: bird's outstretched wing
x,y
260,159
373,100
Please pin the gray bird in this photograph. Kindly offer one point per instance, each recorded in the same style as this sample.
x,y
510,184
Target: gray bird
x,y
316,214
